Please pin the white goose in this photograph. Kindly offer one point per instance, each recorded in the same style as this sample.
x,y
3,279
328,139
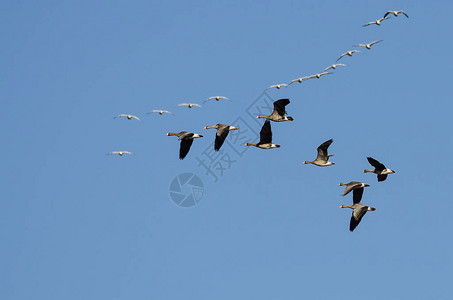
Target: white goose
x,y
368,46
160,112
189,105
277,86
334,66
129,117
377,22
395,13
120,153
350,52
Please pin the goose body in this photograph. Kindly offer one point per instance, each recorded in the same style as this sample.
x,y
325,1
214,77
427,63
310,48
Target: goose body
x,y
186,139
379,169
322,159
222,133
358,211
279,113
265,138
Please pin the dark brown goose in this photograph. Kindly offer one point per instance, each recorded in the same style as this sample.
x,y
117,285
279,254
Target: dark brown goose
x,y
355,186
358,211
322,159
265,137
186,139
380,169
222,133
278,114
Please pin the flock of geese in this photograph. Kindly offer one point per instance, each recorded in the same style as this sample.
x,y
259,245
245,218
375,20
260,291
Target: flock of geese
x,y
279,114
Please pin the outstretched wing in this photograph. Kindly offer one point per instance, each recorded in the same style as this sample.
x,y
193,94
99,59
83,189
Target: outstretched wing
x,y
266,133
350,186
184,147
357,195
382,177
322,150
356,217
376,164
220,137
279,106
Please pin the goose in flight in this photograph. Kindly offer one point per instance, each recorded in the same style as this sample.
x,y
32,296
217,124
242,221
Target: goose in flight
x,y
129,117
120,153
355,186
222,133
318,75
395,13
265,137
380,169
217,98
334,66
278,114
189,105
186,139
300,79
160,112
278,86
368,46
358,211
377,22
322,159
350,52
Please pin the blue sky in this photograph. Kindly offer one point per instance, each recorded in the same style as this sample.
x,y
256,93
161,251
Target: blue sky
x,y
77,224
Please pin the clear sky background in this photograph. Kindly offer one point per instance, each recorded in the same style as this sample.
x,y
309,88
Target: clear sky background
x,y
77,224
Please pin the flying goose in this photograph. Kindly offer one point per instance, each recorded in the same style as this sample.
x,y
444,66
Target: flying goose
x,y
350,52
265,137
318,75
380,169
222,133
120,153
278,86
334,66
358,211
217,98
160,112
322,158
300,79
377,22
368,46
186,139
189,105
355,186
395,13
278,114
129,117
